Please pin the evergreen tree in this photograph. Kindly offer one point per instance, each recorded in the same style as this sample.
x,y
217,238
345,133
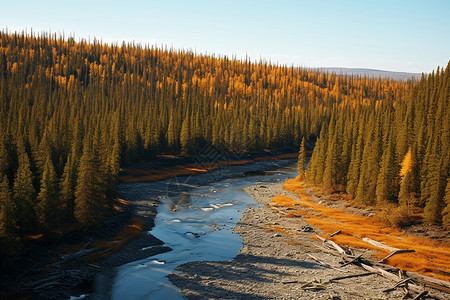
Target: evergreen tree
x,y
331,179
184,137
88,193
8,219
67,189
48,208
302,160
114,168
386,185
353,176
435,204
172,134
24,193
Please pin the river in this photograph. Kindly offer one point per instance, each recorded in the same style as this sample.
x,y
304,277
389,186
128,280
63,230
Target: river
x,y
196,221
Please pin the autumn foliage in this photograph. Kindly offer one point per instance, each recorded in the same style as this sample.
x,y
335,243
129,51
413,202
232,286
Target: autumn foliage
x,y
430,257
393,153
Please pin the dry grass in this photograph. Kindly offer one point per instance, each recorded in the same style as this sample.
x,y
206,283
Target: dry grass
x,y
431,257
284,201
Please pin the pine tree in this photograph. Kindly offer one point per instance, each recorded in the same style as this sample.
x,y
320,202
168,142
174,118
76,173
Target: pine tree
x,y
331,180
184,136
8,219
48,208
302,160
321,155
386,185
67,189
353,175
24,193
89,202
435,203
114,168
172,134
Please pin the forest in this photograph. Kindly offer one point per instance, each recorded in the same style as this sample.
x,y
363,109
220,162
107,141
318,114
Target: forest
x,y
393,154
72,113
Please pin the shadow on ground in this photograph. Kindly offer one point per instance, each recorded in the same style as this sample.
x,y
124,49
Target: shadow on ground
x,y
237,280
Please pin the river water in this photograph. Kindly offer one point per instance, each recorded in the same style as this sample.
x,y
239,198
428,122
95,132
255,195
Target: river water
x,y
197,224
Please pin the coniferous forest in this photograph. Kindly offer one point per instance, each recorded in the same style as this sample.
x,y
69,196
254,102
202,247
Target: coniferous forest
x,y
393,153
73,112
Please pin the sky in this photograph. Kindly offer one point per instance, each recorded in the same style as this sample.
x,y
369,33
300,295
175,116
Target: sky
x,y
395,35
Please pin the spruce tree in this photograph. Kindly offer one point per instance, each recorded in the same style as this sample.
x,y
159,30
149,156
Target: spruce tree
x,y
114,168
67,189
8,219
353,176
24,193
184,136
48,208
302,160
435,202
329,180
89,202
172,134
386,185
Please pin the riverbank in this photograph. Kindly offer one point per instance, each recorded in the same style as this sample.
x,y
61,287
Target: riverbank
x,y
30,276
56,268
169,166
275,261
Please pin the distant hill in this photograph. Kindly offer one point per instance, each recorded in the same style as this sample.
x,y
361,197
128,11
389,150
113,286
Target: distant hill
x,y
372,73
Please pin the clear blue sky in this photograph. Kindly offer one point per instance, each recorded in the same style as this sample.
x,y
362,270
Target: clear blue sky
x,y
409,35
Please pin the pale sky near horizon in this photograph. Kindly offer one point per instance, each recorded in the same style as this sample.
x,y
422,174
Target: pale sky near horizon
x,y
395,35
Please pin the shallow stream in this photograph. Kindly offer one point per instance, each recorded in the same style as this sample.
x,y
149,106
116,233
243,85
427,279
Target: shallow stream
x,y
197,224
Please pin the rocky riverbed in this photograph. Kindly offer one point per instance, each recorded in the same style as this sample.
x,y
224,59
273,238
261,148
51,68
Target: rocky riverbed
x,y
274,263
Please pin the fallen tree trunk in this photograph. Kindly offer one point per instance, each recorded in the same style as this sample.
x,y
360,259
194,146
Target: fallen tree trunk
x,y
335,246
351,276
412,287
396,252
380,245
383,269
430,281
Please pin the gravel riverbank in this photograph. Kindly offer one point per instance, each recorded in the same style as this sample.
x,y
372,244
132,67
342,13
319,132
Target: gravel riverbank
x,y
273,264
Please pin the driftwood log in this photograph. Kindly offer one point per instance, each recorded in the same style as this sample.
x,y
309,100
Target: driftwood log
x,y
380,245
402,278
